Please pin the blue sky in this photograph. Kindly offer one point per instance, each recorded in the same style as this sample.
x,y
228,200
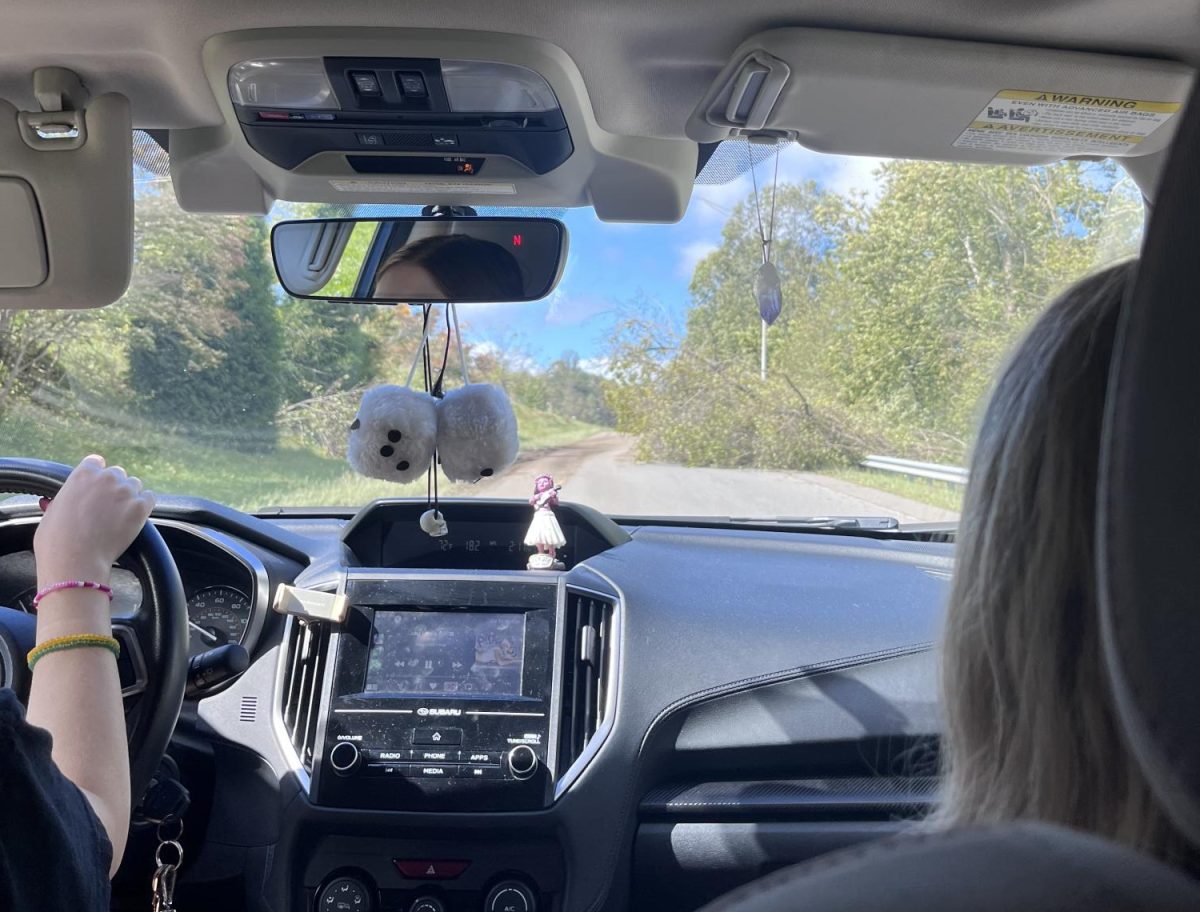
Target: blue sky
x,y
612,265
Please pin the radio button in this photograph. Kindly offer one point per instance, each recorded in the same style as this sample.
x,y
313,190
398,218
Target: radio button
x,y
491,758
437,737
387,756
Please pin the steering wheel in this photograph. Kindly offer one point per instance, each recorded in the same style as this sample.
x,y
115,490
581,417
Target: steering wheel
x,y
153,640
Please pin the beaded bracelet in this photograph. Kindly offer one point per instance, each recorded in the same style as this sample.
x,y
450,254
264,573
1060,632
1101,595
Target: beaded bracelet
x,y
71,584
72,641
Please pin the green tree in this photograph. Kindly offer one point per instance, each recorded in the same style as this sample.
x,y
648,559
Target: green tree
x,y
205,340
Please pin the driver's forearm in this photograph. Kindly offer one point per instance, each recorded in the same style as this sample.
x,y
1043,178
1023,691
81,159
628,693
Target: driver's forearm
x,y
76,696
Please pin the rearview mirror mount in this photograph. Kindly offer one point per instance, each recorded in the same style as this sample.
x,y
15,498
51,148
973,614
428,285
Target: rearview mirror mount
x,y
428,260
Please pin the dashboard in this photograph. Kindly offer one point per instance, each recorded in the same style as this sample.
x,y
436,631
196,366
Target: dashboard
x,y
681,709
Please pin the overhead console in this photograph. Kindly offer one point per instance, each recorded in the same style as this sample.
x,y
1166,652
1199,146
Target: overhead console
x,y
382,111
415,116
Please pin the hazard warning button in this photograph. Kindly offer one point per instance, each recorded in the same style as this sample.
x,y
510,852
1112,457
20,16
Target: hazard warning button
x,y
430,869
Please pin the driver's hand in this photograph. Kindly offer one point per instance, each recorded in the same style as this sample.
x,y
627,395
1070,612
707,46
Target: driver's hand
x,y
89,523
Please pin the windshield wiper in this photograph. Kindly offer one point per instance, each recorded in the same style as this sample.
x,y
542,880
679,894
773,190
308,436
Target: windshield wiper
x,y
874,523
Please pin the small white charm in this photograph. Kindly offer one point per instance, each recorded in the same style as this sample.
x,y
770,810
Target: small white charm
x,y
433,524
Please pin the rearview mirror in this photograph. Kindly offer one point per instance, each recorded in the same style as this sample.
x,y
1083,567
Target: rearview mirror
x,y
420,260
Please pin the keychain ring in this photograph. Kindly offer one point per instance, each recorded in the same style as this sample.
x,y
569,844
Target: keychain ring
x,y
162,824
174,843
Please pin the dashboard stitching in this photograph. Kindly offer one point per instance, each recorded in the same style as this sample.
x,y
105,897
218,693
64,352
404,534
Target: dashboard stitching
x,y
801,671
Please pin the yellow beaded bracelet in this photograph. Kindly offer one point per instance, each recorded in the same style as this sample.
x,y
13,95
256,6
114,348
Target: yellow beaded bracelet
x,y
73,641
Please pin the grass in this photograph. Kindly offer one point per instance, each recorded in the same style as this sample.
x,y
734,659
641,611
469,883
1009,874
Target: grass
x,y
933,493
250,477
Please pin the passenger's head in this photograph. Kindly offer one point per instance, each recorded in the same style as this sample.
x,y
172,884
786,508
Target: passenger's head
x,y
450,267
1031,730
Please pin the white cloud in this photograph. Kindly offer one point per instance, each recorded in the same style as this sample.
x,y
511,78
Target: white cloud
x,y
691,254
572,309
600,366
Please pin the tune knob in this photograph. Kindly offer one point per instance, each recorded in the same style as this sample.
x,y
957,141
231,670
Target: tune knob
x,y
522,761
428,904
344,894
510,896
344,758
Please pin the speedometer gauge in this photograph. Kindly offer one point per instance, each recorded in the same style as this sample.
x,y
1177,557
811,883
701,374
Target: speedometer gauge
x,y
216,616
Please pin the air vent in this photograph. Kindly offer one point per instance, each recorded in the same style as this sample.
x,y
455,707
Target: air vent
x,y
308,643
586,654
249,710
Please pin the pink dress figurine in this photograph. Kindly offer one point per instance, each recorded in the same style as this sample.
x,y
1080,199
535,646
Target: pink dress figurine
x,y
544,533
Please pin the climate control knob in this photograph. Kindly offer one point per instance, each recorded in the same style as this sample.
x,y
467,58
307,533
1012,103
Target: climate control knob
x,y
344,894
344,758
522,761
510,896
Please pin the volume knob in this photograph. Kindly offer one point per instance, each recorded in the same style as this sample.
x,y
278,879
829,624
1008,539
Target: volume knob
x,y
522,761
344,758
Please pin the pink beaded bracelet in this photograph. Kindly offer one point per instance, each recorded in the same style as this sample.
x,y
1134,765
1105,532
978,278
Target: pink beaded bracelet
x,y
71,584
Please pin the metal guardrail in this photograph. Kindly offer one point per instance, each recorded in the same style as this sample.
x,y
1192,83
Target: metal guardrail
x,y
930,470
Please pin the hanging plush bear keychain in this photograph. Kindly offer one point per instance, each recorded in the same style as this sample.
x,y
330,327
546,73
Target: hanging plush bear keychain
x,y
477,432
398,430
394,434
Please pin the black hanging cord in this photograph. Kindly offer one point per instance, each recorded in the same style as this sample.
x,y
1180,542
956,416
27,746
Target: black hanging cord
x,y
431,479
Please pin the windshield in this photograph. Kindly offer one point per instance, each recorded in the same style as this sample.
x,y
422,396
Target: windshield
x,y
646,384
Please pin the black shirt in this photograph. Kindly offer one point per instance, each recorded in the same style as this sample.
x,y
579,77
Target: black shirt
x,y
54,853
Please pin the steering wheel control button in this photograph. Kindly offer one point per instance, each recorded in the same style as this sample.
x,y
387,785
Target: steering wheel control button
x,y
344,758
430,869
522,761
345,894
427,904
437,737
510,896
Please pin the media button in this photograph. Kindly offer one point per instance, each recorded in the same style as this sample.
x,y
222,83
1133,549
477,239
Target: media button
x,y
432,770
437,737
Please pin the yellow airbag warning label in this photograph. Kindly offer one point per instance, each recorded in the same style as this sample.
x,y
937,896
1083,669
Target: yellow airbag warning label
x,y
1060,123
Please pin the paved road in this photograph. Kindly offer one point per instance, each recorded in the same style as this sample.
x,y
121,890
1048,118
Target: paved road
x,y
601,472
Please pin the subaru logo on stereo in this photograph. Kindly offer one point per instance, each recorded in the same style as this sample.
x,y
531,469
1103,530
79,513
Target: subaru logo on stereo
x,y
435,711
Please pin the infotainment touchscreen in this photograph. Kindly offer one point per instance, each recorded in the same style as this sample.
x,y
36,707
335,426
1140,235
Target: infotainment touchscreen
x,y
450,653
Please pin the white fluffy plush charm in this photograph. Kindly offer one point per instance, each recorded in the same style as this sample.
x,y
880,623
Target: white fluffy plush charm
x,y
394,434
477,432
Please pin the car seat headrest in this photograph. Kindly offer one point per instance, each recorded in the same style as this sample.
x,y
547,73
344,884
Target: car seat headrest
x,y
1149,558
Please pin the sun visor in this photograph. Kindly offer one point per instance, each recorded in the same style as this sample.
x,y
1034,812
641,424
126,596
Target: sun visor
x,y
66,197
901,97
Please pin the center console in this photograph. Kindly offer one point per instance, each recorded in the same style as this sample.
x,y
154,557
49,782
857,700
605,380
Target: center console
x,y
440,697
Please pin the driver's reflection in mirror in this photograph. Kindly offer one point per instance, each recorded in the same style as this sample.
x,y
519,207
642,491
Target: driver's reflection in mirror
x,y
64,765
449,267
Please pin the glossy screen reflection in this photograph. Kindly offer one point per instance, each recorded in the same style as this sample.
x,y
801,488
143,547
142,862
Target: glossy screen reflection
x,y
420,260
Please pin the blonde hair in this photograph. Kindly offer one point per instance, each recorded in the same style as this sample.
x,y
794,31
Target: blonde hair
x,y
1031,731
